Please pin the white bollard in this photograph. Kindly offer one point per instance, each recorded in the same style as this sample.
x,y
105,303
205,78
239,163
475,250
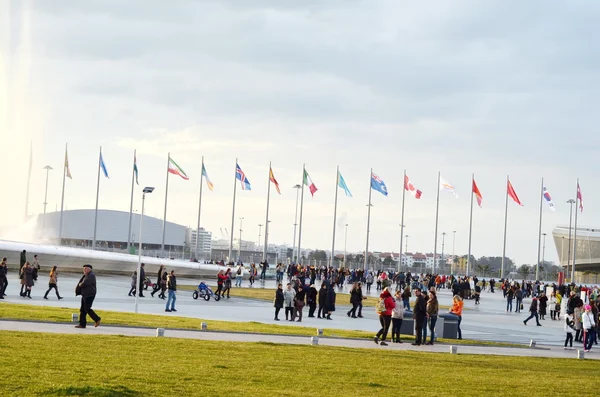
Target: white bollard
x,y
75,317
160,332
453,349
320,331
532,343
314,340
203,326
580,354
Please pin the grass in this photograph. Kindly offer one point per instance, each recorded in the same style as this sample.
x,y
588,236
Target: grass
x,y
116,366
10,311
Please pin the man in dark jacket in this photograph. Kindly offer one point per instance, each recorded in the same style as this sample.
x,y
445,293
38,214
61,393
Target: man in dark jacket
x,y
142,279
23,259
87,289
3,278
312,301
419,314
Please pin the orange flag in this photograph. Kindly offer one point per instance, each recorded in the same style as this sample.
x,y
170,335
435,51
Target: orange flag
x,y
272,179
477,193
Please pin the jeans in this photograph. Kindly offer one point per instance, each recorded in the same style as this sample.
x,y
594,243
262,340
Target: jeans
x,y
519,303
298,312
352,312
385,326
3,284
533,314
238,281
263,275
432,321
406,303
172,297
569,339
590,337
509,305
396,325
289,310
86,309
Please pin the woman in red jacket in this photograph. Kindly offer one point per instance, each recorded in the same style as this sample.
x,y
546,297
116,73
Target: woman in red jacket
x,y
384,308
221,277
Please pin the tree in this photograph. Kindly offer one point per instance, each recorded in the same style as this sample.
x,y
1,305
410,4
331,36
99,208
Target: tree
x,y
524,271
289,253
483,269
359,259
388,262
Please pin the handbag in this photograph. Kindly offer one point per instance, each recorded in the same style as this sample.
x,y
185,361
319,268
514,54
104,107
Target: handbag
x,y
521,306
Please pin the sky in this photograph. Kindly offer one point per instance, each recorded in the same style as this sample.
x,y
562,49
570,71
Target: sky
x,y
490,88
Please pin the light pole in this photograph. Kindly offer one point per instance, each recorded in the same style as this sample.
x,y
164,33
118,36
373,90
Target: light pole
x,y
259,232
443,240
406,250
400,252
240,245
139,264
47,168
570,201
297,187
453,252
345,244
544,249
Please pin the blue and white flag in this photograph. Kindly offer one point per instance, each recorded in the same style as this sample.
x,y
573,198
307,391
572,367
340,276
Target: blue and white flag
x,y
240,176
103,166
342,184
548,199
378,184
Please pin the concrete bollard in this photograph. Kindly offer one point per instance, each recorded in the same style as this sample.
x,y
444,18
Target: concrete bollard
x,y
314,340
532,343
75,317
319,331
453,349
580,354
203,326
160,332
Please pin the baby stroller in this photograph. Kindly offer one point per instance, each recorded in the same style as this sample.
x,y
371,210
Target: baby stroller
x,y
204,291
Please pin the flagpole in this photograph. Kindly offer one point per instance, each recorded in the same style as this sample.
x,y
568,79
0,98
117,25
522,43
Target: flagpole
x,y
537,266
62,198
129,242
575,233
233,214
437,210
505,225
97,196
337,182
199,209
402,221
164,225
301,211
267,217
28,179
470,228
368,221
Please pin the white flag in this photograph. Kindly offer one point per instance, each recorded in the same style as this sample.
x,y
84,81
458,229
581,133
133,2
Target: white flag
x,y
447,186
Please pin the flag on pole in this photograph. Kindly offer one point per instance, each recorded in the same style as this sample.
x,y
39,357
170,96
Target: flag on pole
x,y
447,186
103,166
308,182
205,175
579,197
273,180
411,188
513,194
68,170
135,169
176,169
378,184
477,193
240,176
342,184
548,199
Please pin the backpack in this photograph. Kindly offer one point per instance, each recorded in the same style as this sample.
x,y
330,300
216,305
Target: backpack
x,y
380,306
239,271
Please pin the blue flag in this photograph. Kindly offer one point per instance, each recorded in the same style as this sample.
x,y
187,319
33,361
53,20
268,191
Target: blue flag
x,y
240,176
378,184
342,184
103,166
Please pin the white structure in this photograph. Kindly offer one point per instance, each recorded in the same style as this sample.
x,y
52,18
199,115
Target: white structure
x,y
204,242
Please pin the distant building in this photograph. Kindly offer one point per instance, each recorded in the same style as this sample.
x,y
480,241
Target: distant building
x,y
204,242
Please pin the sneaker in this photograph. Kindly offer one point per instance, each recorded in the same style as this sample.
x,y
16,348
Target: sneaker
x,y
383,344
173,310
80,326
524,323
167,310
376,340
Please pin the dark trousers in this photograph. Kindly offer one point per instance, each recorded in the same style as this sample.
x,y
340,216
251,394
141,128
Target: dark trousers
x,y
321,312
385,322
141,289
432,322
132,290
86,309
396,325
352,311
419,321
298,312
590,337
50,287
569,339
219,289
578,335
537,319
369,287
312,307
277,309
156,288
3,285
290,311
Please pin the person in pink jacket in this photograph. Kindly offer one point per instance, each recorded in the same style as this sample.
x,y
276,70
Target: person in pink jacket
x,y
384,308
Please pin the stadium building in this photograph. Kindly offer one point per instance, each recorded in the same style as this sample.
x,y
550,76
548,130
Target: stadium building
x,y
587,258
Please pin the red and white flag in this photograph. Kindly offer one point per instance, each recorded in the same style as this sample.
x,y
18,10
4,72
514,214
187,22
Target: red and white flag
x,y
411,188
477,193
513,194
579,197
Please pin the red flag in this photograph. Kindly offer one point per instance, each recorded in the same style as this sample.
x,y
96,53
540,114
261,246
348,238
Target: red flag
x,y
579,197
513,194
477,193
272,179
411,188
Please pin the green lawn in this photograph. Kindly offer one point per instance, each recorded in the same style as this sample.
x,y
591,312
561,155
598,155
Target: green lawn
x,y
62,314
116,366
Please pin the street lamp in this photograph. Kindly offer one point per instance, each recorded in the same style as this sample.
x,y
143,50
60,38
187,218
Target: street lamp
x,y
259,233
47,168
240,245
544,249
139,265
453,252
345,244
297,187
570,201
443,240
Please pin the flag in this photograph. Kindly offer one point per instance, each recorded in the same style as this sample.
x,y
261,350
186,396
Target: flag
x,y
240,176
205,175
477,193
272,179
445,185
308,182
411,188
548,199
68,171
579,197
378,184
135,169
103,166
342,184
513,194
176,170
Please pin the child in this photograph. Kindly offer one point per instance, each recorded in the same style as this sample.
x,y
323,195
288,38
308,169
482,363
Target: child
x,y
569,328
477,293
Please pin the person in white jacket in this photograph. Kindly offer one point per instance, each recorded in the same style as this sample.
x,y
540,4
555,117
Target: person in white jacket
x,y
589,326
569,328
397,316
288,297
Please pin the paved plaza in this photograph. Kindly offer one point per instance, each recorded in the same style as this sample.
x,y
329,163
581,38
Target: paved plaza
x,y
486,322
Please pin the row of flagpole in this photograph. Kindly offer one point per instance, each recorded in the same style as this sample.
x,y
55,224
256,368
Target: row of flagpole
x,y
375,183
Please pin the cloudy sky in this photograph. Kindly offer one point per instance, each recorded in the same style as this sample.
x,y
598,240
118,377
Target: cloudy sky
x,y
494,88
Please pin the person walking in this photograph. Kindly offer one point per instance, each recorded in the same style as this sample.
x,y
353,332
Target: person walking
x,y
3,278
23,259
406,298
27,279
288,295
457,309
354,300
238,275
172,287
419,315
397,317
369,281
330,300
432,315
543,304
279,300
227,283
133,290
52,283
142,280
322,300
533,309
589,326
569,328
86,287
312,300
299,303
157,286
384,309
518,299
220,280
509,294
163,285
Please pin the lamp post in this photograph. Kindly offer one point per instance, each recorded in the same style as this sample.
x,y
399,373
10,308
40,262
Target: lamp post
x,y
139,264
47,168
544,249
240,245
453,252
297,187
443,240
259,232
345,244
571,202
